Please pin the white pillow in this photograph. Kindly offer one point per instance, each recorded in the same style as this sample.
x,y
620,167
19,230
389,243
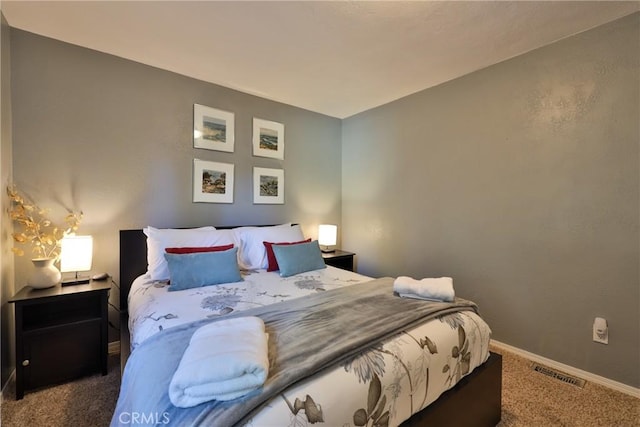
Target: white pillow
x,y
252,253
158,239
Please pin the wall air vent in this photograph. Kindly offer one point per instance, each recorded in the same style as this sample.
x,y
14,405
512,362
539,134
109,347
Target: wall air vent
x,y
560,376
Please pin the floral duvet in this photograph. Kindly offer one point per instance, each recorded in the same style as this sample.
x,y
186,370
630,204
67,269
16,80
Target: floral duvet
x,y
383,385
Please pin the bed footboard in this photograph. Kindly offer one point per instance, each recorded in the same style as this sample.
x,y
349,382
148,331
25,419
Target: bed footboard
x,y
475,401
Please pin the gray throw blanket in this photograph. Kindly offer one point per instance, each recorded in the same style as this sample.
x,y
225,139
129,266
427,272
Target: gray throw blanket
x,y
306,335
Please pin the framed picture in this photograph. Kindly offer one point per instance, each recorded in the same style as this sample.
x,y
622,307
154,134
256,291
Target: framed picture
x,y
212,182
268,186
268,139
213,129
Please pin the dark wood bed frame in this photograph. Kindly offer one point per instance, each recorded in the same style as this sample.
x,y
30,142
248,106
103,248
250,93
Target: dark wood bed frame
x,y
474,401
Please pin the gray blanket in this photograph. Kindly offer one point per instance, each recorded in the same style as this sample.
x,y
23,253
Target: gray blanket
x,y
306,335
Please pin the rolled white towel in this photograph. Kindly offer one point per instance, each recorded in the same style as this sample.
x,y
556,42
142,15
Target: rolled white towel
x,y
223,361
438,289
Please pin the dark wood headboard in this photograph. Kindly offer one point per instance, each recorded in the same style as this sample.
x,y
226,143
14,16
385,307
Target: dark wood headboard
x,y
133,259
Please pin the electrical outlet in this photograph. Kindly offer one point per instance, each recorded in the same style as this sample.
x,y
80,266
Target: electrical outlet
x,y
600,331
601,338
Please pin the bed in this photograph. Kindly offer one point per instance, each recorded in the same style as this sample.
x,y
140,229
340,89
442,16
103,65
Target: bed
x,y
373,383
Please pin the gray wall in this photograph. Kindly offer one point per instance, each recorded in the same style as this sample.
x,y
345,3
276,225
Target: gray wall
x,y
6,256
113,138
521,182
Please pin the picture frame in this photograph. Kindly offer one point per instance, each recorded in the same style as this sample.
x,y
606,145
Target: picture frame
x,y
213,129
212,181
268,139
268,186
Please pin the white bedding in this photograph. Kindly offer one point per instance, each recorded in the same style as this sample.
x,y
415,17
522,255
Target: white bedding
x,y
411,369
152,308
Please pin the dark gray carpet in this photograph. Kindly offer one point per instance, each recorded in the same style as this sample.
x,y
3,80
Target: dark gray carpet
x,y
529,399
85,402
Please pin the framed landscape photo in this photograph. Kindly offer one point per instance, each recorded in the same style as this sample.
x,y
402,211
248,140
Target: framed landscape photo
x,y
268,186
268,139
213,129
212,182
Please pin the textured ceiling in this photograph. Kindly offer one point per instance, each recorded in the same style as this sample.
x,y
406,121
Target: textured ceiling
x,y
337,58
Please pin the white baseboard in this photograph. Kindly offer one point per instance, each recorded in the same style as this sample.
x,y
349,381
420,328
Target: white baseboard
x,y
114,347
615,385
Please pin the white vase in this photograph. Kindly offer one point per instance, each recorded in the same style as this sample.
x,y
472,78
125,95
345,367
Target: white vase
x,y
45,274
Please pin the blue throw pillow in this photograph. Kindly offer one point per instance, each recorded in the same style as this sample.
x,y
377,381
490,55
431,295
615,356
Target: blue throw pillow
x,y
298,258
195,270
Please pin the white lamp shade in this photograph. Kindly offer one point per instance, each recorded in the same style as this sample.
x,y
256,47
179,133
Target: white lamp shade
x,y
327,234
76,253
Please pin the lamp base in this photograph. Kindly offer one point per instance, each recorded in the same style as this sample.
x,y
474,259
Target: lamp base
x,y
75,281
327,251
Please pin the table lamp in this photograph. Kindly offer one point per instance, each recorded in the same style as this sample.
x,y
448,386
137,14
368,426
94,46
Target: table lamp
x,y
76,255
327,236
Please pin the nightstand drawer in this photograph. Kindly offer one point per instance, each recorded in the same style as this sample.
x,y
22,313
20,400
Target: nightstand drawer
x,y
339,259
343,263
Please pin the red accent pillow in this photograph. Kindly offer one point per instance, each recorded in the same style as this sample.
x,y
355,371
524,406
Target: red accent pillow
x,y
271,257
188,250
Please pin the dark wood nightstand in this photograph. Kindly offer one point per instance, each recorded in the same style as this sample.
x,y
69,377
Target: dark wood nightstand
x,y
339,259
61,333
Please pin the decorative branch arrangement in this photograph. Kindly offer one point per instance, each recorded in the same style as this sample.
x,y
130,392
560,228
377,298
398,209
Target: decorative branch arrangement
x,y
36,228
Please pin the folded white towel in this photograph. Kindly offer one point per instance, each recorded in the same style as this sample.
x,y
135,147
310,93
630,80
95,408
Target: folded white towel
x,y
403,295
223,361
439,289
